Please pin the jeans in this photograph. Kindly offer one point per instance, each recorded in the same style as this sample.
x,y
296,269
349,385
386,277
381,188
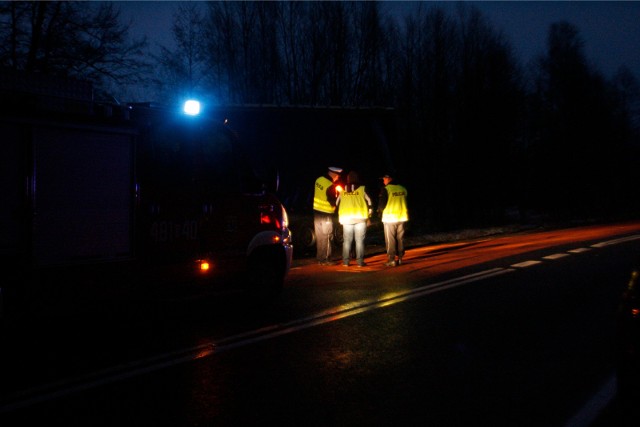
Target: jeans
x,y
323,227
349,233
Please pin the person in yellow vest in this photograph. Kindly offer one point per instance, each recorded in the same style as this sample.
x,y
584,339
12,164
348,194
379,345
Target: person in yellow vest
x,y
392,207
354,209
324,207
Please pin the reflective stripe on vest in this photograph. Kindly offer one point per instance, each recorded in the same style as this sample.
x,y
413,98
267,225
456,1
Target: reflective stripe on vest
x,y
353,206
396,209
320,202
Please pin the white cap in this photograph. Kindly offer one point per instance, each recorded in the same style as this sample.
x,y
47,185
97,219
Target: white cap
x,y
335,169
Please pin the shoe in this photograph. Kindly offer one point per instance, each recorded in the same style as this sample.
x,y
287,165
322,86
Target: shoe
x,y
362,264
345,264
399,261
326,263
390,264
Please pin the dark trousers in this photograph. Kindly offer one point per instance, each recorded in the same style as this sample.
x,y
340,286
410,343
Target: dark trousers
x,y
323,227
394,239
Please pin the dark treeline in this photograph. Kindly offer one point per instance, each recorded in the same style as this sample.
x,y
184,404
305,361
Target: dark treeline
x,y
481,138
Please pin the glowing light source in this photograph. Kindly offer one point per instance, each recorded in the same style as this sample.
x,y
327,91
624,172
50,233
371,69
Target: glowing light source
x,y
192,107
265,218
204,266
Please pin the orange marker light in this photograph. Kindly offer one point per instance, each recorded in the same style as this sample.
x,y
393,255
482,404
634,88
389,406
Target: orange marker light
x,y
204,266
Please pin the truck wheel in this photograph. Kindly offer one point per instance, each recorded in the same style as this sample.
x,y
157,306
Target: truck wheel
x,y
306,236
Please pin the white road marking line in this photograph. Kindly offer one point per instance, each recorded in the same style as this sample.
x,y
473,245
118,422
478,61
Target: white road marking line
x,y
579,250
616,241
349,310
555,256
526,264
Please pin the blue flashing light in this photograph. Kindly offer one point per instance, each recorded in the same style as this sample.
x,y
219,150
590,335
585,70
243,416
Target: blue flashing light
x,y
192,107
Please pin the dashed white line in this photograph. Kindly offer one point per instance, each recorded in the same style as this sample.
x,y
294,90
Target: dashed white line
x,y
555,256
526,264
616,241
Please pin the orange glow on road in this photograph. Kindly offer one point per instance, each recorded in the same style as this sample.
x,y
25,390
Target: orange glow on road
x,y
432,260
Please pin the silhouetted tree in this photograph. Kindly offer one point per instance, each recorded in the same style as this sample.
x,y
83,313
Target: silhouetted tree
x,y
624,90
297,53
488,114
468,141
428,72
366,63
70,39
222,39
627,90
181,70
574,145
314,49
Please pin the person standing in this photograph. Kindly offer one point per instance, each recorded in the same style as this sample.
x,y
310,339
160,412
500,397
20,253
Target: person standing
x,y
354,209
324,207
392,206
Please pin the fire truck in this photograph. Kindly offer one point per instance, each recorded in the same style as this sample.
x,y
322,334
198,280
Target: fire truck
x,y
91,189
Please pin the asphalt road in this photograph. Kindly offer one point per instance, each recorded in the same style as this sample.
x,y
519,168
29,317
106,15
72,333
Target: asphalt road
x,y
512,330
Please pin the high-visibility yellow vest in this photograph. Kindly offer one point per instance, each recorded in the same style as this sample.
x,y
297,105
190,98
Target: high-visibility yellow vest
x,y
353,206
396,208
320,202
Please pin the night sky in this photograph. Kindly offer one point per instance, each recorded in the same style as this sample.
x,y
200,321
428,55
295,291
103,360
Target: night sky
x,y
609,29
